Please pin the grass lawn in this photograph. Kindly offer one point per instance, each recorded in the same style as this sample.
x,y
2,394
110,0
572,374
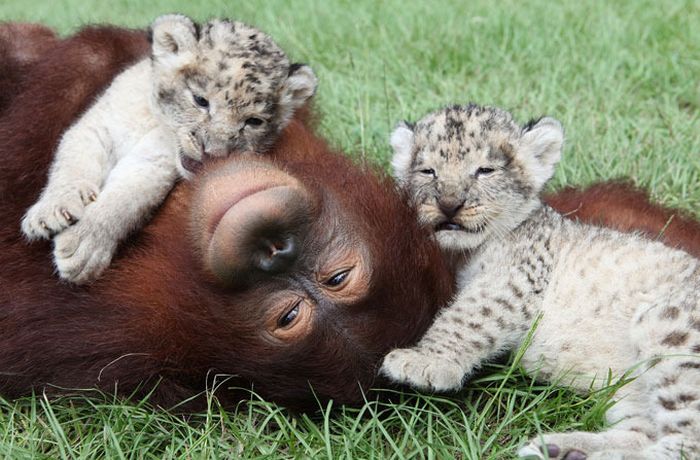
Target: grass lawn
x,y
622,76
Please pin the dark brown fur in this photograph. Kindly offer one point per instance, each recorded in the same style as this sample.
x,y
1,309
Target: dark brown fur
x,y
156,316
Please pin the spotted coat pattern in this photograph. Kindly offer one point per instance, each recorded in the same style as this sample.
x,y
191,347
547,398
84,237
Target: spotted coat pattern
x,y
599,301
461,167
244,87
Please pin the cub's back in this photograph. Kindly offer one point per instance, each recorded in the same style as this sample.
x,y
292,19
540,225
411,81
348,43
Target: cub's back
x,y
620,272
600,283
603,282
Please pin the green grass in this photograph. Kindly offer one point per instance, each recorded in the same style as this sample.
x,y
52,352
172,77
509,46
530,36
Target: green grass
x,y
488,420
623,78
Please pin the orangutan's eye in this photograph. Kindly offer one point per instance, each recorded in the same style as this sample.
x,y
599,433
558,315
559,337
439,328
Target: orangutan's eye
x,y
484,171
252,121
289,317
337,279
200,101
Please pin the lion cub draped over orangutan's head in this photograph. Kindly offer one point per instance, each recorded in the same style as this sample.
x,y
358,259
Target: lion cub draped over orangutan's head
x,y
206,91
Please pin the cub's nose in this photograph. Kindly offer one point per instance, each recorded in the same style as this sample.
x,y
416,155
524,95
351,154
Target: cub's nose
x,y
450,205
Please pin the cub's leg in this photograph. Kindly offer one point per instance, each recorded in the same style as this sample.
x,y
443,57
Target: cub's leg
x,y
632,430
134,188
675,400
671,334
76,174
672,388
489,316
658,415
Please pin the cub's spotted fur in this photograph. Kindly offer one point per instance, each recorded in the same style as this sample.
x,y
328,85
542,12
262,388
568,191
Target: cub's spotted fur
x,y
606,301
206,91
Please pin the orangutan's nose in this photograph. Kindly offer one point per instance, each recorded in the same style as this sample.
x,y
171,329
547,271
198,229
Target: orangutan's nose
x,y
278,254
256,218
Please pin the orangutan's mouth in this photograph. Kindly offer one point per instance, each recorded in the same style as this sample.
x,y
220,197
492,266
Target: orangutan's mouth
x,y
236,198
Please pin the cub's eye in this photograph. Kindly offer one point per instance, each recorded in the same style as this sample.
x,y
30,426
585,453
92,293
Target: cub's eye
x,y
254,121
484,171
200,101
428,172
289,317
337,279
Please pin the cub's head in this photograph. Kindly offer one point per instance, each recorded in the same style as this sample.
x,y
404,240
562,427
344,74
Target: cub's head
x,y
473,172
223,87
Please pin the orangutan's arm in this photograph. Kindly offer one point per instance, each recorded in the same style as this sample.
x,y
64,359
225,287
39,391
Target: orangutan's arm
x,y
622,206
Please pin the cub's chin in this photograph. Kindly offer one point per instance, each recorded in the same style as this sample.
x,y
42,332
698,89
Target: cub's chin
x,y
454,237
186,166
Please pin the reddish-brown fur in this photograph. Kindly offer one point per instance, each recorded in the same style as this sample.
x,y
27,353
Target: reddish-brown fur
x,y
25,43
157,316
20,46
622,206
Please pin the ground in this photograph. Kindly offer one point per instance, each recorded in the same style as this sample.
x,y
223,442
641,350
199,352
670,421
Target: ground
x,y
621,76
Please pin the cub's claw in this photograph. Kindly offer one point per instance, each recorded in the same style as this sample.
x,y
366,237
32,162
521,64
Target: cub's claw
x,y
68,216
59,208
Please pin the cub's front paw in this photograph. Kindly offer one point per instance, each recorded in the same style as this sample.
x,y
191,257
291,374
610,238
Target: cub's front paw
x,y
82,252
425,371
58,209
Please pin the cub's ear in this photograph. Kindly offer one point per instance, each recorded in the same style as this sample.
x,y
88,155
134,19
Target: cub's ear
x,y
402,143
172,35
540,148
300,85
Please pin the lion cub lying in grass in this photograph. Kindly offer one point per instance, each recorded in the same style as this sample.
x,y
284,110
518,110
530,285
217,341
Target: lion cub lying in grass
x,y
206,91
606,301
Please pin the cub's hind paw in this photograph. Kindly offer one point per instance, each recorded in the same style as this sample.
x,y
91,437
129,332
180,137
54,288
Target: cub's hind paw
x,y
58,209
422,371
549,452
583,445
82,252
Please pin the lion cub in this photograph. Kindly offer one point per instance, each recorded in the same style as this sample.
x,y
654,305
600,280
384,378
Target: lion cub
x,y
606,301
206,91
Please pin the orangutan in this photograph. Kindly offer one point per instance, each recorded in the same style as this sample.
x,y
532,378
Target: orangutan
x,y
293,272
